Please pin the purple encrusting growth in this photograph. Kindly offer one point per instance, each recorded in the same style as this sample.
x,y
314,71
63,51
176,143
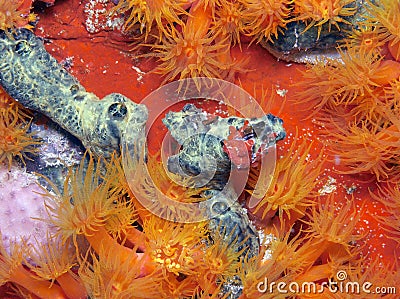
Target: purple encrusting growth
x,y
20,204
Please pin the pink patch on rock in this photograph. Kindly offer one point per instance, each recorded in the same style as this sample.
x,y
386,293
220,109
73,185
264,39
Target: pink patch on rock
x,y
20,204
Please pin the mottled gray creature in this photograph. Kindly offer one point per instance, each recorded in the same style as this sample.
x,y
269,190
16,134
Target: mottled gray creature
x,y
203,159
34,78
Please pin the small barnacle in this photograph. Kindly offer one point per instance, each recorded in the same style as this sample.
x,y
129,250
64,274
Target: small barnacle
x,y
329,187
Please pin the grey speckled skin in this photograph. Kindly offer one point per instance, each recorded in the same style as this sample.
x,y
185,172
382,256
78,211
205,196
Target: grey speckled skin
x,y
202,158
34,78
201,142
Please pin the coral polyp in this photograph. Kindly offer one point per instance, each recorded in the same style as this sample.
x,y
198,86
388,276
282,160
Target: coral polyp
x,y
231,19
9,106
330,12
10,15
389,196
292,187
54,262
105,275
265,18
149,14
368,149
174,247
12,270
189,55
87,201
220,261
385,17
15,140
359,74
330,222
366,37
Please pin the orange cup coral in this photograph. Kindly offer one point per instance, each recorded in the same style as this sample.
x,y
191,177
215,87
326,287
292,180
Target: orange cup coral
x,y
193,52
15,141
292,187
318,13
10,14
385,17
